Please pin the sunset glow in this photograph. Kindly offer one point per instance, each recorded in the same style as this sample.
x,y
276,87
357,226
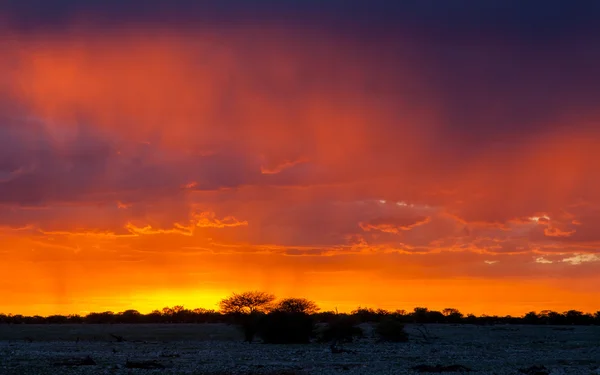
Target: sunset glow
x,y
147,164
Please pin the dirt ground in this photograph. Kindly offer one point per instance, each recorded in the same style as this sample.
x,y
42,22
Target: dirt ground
x,y
218,349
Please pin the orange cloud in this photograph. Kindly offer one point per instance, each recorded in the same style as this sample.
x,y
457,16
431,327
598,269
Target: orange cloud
x,y
208,220
199,220
582,258
123,206
394,225
178,229
168,123
281,166
556,232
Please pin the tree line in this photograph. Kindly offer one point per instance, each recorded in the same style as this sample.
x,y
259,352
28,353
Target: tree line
x,y
250,303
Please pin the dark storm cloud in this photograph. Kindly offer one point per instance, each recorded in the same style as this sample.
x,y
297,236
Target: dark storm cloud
x,y
461,96
473,53
535,18
38,167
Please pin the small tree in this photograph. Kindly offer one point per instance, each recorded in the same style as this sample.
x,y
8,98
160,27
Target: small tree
x,y
129,316
297,305
419,314
452,315
434,316
247,308
574,317
282,327
531,318
391,330
365,314
342,328
246,303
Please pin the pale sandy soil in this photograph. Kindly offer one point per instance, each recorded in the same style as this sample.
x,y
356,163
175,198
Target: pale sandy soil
x,y
217,349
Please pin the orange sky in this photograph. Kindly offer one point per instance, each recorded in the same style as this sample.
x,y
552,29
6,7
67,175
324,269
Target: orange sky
x,y
154,168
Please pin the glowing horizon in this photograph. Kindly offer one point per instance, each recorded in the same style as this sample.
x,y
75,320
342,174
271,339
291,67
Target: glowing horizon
x,y
165,298
147,163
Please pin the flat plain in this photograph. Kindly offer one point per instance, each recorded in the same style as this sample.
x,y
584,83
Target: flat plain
x,y
217,349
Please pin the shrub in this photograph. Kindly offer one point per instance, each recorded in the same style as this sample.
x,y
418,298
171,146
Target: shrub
x,y
297,305
280,327
343,329
391,330
246,303
249,324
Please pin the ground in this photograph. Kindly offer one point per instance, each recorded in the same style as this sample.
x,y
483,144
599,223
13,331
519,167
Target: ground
x,y
218,349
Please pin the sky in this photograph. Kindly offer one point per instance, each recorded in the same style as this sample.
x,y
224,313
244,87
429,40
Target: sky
x,y
373,153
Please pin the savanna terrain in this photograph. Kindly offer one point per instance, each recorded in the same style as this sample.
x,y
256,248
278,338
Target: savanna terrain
x,y
219,349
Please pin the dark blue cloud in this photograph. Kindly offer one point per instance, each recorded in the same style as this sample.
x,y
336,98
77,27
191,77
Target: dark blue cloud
x,y
535,19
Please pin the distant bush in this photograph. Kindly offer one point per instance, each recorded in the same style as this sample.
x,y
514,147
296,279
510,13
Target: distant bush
x,y
280,327
247,309
247,303
54,319
531,318
249,324
297,305
391,330
325,316
343,329
100,318
366,315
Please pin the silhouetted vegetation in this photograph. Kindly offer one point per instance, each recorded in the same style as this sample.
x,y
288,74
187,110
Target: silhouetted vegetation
x,y
296,305
391,329
282,327
252,310
247,303
344,328
249,324
365,315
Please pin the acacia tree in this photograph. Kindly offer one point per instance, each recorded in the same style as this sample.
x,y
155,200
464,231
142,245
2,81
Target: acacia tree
x,y
420,314
452,315
297,305
246,303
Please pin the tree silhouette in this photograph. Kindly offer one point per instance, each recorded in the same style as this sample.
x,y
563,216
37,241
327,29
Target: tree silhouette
x,y
531,318
297,305
129,316
249,310
553,317
434,316
246,303
365,314
420,314
452,315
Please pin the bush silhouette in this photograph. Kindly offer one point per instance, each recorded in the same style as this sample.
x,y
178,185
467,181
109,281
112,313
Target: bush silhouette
x,y
366,315
247,309
280,327
249,324
246,303
391,330
343,329
452,315
297,305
